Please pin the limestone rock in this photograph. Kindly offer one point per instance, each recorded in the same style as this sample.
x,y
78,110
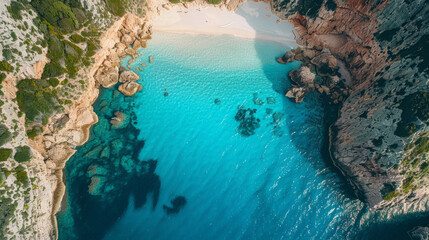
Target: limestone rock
x,y
107,77
128,76
130,88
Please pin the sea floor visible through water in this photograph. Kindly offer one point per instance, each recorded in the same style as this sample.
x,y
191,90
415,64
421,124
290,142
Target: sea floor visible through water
x,y
209,149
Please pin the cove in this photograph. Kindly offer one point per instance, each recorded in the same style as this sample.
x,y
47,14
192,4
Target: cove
x,y
177,167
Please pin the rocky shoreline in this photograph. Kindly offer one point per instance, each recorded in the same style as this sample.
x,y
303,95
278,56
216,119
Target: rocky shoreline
x,y
337,38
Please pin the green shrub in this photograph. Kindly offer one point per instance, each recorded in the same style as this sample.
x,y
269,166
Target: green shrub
x,y
214,1
7,54
54,82
23,154
5,66
52,69
76,38
37,100
174,1
5,135
91,48
115,7
2,77
15,10
391,195
57,14
22,177
13,35
5,154
32,133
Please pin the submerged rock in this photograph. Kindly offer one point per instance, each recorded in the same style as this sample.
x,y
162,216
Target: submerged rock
x,y
248,122
176,205
150,59
271,100
217,101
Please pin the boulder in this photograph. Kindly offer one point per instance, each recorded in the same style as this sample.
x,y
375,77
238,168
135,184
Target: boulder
x,y
130,88
296,93
128,76
137,44
107,77
127,39
117,119
326,64
150,59
287,58
302,77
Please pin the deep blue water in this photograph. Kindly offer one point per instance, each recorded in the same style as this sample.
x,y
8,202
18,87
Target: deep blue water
x,y
270,185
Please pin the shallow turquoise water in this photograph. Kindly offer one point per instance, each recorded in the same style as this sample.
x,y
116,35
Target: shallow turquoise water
x,y
271,185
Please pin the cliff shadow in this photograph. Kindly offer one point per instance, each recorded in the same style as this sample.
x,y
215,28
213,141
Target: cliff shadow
x,y
308,122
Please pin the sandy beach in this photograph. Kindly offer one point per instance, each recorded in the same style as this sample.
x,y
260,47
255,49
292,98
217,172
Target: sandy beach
x,y
250,20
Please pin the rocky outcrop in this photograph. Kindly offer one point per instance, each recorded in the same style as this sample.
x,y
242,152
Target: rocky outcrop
x,y
383,44
128,76
319,71
130,88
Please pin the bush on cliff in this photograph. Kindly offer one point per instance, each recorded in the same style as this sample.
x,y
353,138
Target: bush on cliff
x,y
5,154
57,14
76,38
23,154
5,135
115,7
214,1
5,66
36,99
15,10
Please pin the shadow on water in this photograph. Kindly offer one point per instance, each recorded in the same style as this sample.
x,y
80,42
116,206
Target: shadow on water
x,y
311,132
310,127
100,173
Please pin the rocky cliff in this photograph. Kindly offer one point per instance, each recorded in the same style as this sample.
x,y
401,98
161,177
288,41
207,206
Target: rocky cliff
x,y
384,45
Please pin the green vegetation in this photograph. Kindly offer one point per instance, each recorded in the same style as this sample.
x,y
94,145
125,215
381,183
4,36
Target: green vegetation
x,y
37,100
76,38
57,14
7,53
5,135
5,154
54,82
52,69
214,1
2,77
15,10
391,195
22,177
413,106
5,66
174,1
115,7
23,154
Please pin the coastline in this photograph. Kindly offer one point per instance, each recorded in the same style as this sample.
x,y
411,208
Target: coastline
x,y
250,20
82,115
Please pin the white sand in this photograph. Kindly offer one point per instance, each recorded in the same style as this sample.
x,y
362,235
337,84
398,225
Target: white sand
x,y
251,20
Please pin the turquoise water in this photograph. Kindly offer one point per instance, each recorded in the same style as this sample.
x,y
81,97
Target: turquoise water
x,y
270,185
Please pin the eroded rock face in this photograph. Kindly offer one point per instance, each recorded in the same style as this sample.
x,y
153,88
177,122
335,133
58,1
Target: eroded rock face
x,y
384,45
107,76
